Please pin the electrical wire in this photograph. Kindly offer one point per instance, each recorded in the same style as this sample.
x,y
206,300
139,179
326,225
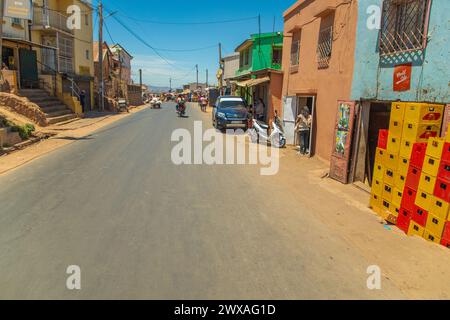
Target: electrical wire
x,y
189,23
139,38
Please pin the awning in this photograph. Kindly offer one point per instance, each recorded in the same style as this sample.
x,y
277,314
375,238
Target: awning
x,y
253,82
29,43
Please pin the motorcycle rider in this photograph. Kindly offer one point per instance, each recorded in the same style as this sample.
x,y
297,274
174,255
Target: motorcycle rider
x,y
180,102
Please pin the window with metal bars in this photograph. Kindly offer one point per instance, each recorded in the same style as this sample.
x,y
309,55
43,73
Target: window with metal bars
x,y
324,47
295,48
403,26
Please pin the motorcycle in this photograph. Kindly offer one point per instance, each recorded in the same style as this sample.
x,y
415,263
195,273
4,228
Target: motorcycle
x,y
261,130
181,109
122,105
155,104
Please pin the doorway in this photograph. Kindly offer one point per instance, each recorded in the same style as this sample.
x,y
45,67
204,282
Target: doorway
x,y
308,103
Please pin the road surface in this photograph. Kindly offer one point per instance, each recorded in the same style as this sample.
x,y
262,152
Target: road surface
x,y
139,226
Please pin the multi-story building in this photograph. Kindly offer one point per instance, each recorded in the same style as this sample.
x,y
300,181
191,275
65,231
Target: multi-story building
x,y
259,74
349,60
66,53
318,63
230,67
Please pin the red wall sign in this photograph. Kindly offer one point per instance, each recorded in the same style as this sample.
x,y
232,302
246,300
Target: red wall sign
x,y
402,77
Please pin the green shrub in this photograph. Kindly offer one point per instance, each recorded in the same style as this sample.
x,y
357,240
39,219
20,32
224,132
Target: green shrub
x,y
24,131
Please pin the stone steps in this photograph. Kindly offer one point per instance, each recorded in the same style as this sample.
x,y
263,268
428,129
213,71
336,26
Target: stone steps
x,y
55,111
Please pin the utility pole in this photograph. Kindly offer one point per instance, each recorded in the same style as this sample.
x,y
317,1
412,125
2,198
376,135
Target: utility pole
x,y
196,68
2,6
207,78
101,101
170,85
140,80
220,67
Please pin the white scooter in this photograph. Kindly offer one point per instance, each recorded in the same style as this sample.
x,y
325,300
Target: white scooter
x,y
261,130
155,104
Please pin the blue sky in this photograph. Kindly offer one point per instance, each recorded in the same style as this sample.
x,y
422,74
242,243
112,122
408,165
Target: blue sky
x,y
136,14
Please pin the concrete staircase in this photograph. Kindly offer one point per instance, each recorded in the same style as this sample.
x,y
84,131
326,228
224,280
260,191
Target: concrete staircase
x,y
55,111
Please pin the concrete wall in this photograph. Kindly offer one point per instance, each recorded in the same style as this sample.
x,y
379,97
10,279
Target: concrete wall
x,y
231,65
328,85
373,76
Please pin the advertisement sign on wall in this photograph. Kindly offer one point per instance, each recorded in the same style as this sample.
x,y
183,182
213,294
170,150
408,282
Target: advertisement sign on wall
x,y
402,77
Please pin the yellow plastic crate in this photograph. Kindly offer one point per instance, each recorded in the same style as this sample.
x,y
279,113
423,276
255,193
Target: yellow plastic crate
x,y
423,200
397,196
378,172
403,166
415,229
389,176
427,183
380,155
398,111
377,186
435,147
431,166
419,132
423,112
399,181
439,208
427,235
393,145
375,201
387,192
406,147
391,161
435,225
386,205
395,128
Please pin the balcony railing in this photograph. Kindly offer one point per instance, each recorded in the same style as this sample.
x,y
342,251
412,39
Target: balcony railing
x,y
44,18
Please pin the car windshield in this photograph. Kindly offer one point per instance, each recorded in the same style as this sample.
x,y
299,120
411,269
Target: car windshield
x,y
231,104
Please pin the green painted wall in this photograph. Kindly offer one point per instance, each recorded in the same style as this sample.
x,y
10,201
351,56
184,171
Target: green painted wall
x,y
262,50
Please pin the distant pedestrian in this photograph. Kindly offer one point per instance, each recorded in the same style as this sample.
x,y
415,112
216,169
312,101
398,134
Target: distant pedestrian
x,y
83,100
259,109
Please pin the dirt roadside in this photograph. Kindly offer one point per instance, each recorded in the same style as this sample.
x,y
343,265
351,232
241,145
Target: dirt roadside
x,y
61,135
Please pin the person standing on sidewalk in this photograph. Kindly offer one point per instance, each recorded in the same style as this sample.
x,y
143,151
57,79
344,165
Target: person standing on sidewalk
x,y
259,110
83,100
303,128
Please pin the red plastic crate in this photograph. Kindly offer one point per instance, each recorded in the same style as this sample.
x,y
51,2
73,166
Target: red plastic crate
x,y
446,152
404,220
383,136
419,216
446,233
445,243
442,189
409,198
444,170
418,154
413,177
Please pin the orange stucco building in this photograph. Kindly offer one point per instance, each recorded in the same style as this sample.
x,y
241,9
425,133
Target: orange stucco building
x,y
318,60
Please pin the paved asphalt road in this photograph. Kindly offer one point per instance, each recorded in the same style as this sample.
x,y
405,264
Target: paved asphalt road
x,y
140,227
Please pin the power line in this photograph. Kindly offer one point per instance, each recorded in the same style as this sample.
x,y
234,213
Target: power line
x,y
189,23
187,50
107,31
140,39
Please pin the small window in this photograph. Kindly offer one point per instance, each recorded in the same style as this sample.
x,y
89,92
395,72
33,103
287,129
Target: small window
x,y
16,21
276,55
87,54
86,19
